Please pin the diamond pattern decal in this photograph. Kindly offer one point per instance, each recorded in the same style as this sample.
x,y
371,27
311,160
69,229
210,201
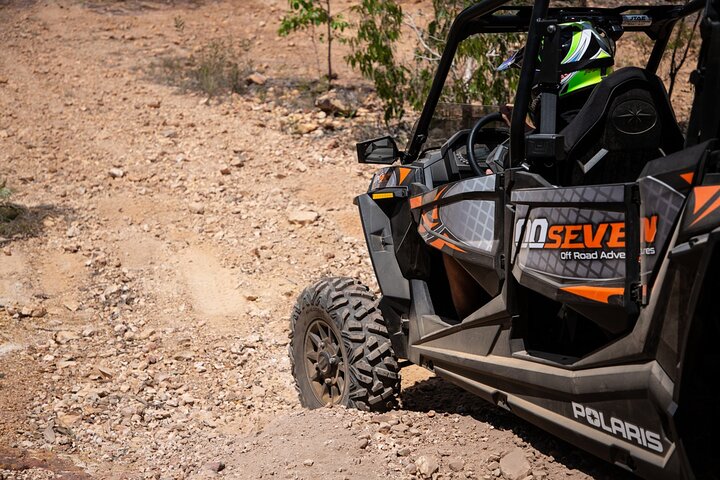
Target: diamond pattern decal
x,y
664,201
471,221
595,193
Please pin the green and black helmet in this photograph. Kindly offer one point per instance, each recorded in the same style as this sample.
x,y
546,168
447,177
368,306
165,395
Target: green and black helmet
x,y
587,56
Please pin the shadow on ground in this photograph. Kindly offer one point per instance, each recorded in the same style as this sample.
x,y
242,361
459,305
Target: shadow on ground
x,y
18,221
444,397
129,7
26,463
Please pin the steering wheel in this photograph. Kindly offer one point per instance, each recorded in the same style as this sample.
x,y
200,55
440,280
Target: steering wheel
x,y
493,117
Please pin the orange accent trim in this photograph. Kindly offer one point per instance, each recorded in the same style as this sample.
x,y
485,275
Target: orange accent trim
x,y
703,194
598,294
707,211
688,177
440,192
439,243
420,200
430,217
404,172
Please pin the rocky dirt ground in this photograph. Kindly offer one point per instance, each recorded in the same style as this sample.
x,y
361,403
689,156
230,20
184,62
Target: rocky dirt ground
x,y
147,283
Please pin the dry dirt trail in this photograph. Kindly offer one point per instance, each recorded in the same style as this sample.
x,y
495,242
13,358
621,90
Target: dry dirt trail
x,y
147,285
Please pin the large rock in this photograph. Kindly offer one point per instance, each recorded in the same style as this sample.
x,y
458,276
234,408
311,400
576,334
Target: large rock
x,y
214,467
456,464
197,208
302,217
332,104
116,172
256,78
64,336
514,465
306,127
6,348
427,465
68,420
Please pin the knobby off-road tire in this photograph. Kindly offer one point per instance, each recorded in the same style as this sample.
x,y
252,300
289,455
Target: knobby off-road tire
x,y
340,350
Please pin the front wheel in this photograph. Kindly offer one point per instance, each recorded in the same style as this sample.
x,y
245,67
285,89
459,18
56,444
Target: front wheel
x,y
340,350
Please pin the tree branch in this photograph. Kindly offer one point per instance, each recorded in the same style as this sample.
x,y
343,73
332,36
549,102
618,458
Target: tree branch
x,y
675,67
410,22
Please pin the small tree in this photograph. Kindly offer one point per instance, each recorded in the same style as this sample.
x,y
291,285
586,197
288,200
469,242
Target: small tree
x,y
472,76
372,52
308,14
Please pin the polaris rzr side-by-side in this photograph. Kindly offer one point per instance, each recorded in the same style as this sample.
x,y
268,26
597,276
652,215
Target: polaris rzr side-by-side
x,y
558,258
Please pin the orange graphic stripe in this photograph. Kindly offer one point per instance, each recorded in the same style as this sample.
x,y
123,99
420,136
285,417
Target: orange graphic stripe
x,y
707,211
439,243
688,177
597,294
404,172
431,218
440,192
419,200
703,195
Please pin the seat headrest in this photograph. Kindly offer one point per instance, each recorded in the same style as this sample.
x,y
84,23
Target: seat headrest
x,y
650,99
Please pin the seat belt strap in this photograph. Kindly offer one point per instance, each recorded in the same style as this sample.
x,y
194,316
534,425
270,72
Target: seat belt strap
x,y
548,112
549,80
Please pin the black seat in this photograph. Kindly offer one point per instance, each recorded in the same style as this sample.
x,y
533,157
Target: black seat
x,y
627,121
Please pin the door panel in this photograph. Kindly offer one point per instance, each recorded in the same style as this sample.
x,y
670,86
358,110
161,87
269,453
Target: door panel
x,y
573,244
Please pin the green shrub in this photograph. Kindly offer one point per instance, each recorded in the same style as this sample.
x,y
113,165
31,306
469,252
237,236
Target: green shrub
x,y
472,78
219,67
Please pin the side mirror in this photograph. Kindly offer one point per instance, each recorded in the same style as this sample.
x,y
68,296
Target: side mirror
x,y
382,150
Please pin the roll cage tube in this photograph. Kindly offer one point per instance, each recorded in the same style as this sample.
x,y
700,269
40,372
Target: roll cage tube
x,y
662,35
527,75
495,16
458,32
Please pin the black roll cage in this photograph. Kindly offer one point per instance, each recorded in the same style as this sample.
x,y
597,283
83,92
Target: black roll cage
x,y
495,16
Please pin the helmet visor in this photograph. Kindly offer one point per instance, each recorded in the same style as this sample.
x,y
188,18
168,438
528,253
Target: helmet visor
x,y
515,60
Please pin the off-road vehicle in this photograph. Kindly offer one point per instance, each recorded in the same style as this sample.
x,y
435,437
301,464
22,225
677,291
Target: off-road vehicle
x,y
565,273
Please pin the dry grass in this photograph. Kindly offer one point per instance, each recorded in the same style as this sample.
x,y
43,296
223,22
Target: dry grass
x,y
219,68
18,221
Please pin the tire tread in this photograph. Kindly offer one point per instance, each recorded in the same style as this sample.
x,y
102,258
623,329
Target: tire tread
x,y
372,366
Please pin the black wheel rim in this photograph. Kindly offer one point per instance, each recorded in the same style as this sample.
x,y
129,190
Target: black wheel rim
x,y
324,363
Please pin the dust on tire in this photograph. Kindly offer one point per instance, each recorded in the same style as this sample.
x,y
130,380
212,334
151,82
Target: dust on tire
x,y
372,367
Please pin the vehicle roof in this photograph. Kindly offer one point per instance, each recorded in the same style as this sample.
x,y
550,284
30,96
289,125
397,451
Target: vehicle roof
x,y
633,18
